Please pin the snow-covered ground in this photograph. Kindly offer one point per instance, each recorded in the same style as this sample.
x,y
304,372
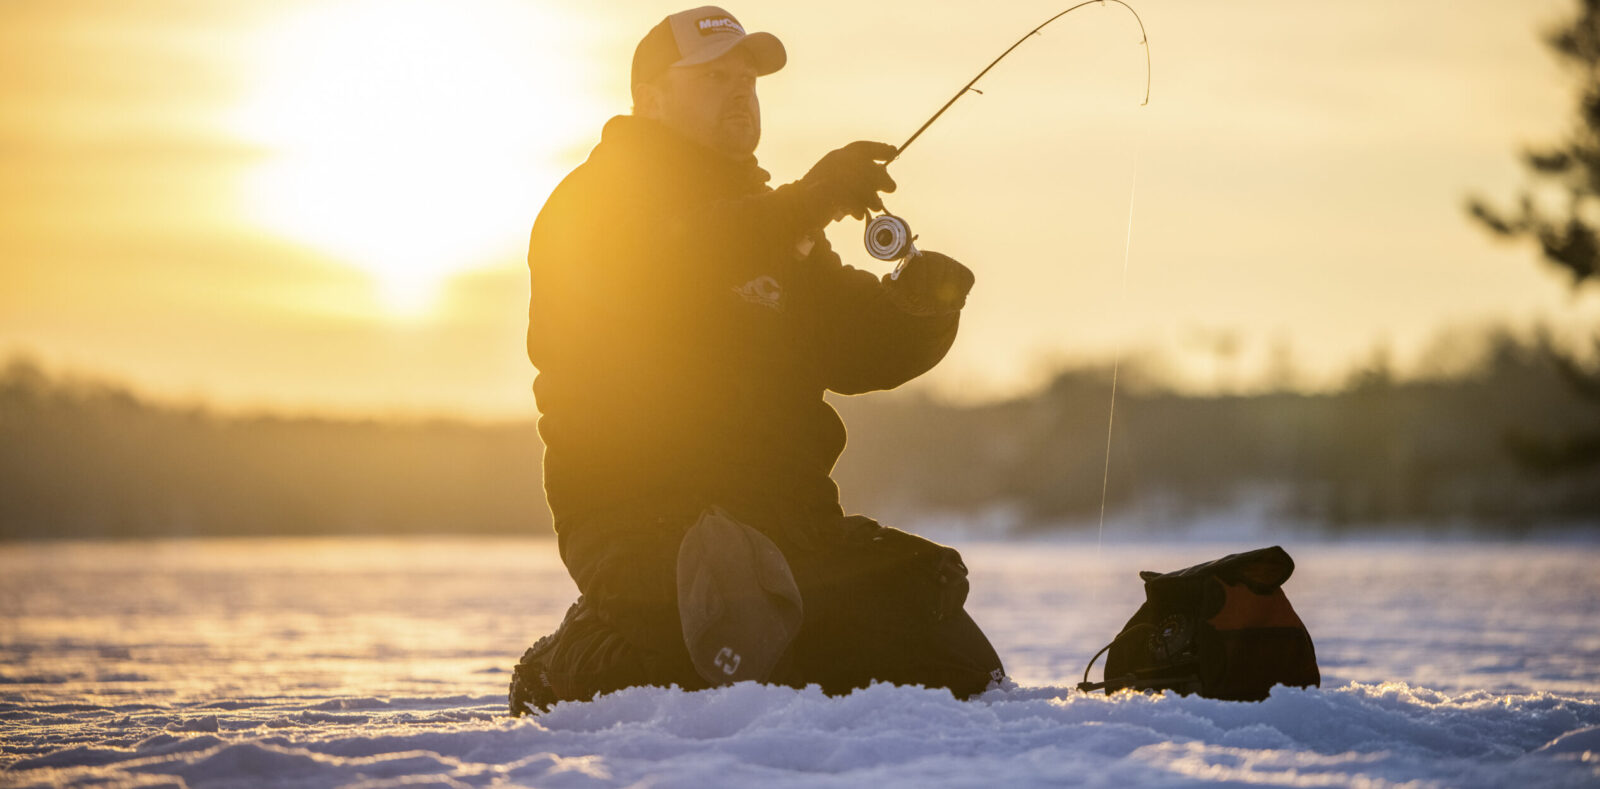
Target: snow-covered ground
x,y
384,662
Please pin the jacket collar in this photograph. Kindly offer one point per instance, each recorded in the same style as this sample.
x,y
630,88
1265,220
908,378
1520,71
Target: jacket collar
x,y
653,141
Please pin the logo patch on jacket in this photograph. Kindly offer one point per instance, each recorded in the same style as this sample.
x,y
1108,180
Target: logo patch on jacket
x,y
763,290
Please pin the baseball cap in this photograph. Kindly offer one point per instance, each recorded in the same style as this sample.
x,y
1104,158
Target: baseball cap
x,y
737,599
701,35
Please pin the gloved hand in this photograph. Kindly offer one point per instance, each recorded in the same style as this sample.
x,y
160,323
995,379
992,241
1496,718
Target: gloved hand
x,y
931,574
930,284
848,180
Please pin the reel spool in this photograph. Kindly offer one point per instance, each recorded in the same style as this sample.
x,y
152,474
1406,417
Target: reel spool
x,y
888,237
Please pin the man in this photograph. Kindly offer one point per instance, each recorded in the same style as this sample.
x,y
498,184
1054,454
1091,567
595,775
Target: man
x,y
686,320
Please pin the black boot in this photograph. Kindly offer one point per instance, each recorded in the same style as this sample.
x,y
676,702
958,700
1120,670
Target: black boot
x,y
530,679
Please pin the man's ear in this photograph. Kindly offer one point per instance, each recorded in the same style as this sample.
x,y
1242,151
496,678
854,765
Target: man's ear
x,y
647,100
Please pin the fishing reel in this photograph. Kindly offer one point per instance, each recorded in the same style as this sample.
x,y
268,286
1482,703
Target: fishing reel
x,y
889,237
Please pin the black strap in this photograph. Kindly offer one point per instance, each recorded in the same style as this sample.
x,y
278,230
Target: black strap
x,y
1133,680
1089,687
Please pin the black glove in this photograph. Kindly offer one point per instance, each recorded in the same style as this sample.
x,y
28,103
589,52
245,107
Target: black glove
x,y
930,284
848,180
931,575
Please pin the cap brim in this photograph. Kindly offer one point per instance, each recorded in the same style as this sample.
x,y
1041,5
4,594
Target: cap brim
x,y
766,52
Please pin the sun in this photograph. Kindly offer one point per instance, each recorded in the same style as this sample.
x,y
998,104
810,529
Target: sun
x,y
412,139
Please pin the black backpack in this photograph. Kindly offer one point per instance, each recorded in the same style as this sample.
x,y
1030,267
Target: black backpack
x,y
1222,629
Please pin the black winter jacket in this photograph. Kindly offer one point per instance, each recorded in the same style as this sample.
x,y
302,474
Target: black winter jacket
x,y
684,340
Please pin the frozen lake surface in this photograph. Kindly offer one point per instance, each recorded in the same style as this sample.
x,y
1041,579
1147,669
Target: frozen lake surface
x,y
348,662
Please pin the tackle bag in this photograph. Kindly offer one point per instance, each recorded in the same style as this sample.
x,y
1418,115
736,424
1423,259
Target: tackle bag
x,y
1222,629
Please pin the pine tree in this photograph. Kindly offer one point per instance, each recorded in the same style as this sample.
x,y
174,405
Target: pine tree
x,y
1568,234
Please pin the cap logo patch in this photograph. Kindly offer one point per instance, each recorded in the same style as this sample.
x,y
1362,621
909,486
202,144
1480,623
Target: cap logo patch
x,y
716,24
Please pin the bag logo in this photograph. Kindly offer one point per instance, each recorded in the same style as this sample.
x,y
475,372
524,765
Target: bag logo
x,y
716,24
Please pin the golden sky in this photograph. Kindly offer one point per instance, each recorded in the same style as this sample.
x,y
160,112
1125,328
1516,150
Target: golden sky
x,y
324,204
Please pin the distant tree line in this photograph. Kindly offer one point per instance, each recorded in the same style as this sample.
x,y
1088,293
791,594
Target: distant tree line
x,y
84,459
1382,452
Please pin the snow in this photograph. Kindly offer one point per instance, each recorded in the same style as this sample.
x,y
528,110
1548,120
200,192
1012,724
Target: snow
x,y
375,663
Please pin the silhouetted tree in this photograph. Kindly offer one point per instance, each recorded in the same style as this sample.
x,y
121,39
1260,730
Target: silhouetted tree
x,y
1566,232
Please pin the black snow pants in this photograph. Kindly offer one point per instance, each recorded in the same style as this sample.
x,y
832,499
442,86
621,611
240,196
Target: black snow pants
x,y
880,605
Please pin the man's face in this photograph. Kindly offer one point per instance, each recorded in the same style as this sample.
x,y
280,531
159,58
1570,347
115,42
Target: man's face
x,y
713,103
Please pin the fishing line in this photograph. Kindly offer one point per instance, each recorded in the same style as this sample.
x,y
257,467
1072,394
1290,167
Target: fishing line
x,y
1116,361
888,237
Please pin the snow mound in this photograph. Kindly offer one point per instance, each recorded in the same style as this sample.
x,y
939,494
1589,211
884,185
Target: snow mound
x,y
883,736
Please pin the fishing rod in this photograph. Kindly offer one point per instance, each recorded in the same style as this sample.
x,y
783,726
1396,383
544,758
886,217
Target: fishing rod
x,y
888,237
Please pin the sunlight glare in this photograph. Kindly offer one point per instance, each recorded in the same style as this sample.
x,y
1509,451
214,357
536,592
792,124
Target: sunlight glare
x,y
411,138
